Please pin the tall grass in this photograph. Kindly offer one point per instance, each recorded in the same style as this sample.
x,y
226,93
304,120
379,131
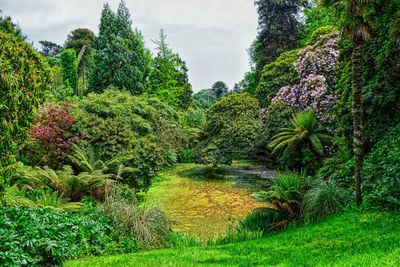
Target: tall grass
x,y
148,224
323,199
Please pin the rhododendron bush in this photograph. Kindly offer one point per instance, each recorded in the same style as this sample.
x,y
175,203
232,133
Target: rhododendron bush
x,y
316,68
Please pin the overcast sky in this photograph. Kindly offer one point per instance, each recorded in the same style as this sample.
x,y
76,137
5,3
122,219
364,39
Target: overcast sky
x,y
211,35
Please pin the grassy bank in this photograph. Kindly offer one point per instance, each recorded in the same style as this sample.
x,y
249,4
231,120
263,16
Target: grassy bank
x,y
353,239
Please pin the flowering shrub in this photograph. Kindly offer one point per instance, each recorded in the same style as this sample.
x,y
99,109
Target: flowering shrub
x,y
316,68
320,58
54,134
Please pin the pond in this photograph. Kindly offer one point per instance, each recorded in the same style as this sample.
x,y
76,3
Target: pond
x,y
204,203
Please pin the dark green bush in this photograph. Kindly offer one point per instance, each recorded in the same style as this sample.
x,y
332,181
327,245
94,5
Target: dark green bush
x,y
142,134
278,117
276,75
31,237
232,130
381,173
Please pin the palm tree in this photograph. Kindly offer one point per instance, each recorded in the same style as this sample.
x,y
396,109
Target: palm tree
x,y
304,133
357,25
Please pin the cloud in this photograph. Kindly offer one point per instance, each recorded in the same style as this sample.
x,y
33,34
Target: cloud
x,y
211,35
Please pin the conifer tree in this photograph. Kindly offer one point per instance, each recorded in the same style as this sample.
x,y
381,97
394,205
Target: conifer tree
x,y
169,77
121,59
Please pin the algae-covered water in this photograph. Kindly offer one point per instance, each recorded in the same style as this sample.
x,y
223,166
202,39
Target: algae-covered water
x,y
202,204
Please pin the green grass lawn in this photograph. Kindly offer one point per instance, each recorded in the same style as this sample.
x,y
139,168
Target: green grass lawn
x,y
353,239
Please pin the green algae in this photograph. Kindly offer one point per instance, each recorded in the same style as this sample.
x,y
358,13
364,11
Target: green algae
x,y
203,207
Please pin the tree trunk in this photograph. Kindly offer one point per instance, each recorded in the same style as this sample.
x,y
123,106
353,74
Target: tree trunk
x,y
357,117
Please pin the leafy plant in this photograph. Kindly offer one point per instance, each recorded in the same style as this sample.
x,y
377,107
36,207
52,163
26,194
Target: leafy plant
x,y
285,197
71,186
46,199
33,237
55,135
149,225
324,198
303,134
381,173
23,80
333,165
232,130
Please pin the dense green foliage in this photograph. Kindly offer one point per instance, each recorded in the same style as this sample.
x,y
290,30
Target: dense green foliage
x,y
8,26
232,129
382,172
220,89
23,80
69,69
141,133
278,31
168,78
205,98
120,59
276,75
42,237
80,38
89,144
304,136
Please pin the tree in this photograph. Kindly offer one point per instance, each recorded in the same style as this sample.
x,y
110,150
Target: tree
x,y
248,84
82,41
279,30
232,130
50,49
205,98
303,133
23,80
357,25
169,80
120,59
80,38
8,26
220,89
70,69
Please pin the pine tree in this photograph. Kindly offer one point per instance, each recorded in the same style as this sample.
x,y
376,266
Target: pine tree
x,y
220,89
121,59
169,79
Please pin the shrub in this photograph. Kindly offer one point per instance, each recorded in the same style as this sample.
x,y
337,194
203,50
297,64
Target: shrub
x,y
276,75
278,116
32,237
258,220
381,173
47,199
232,130
149,225
24,79
186,156
304,138
323,199
140,133
320,32
55,135
285,198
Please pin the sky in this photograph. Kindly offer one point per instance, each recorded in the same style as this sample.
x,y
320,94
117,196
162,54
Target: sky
x,y
212,36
